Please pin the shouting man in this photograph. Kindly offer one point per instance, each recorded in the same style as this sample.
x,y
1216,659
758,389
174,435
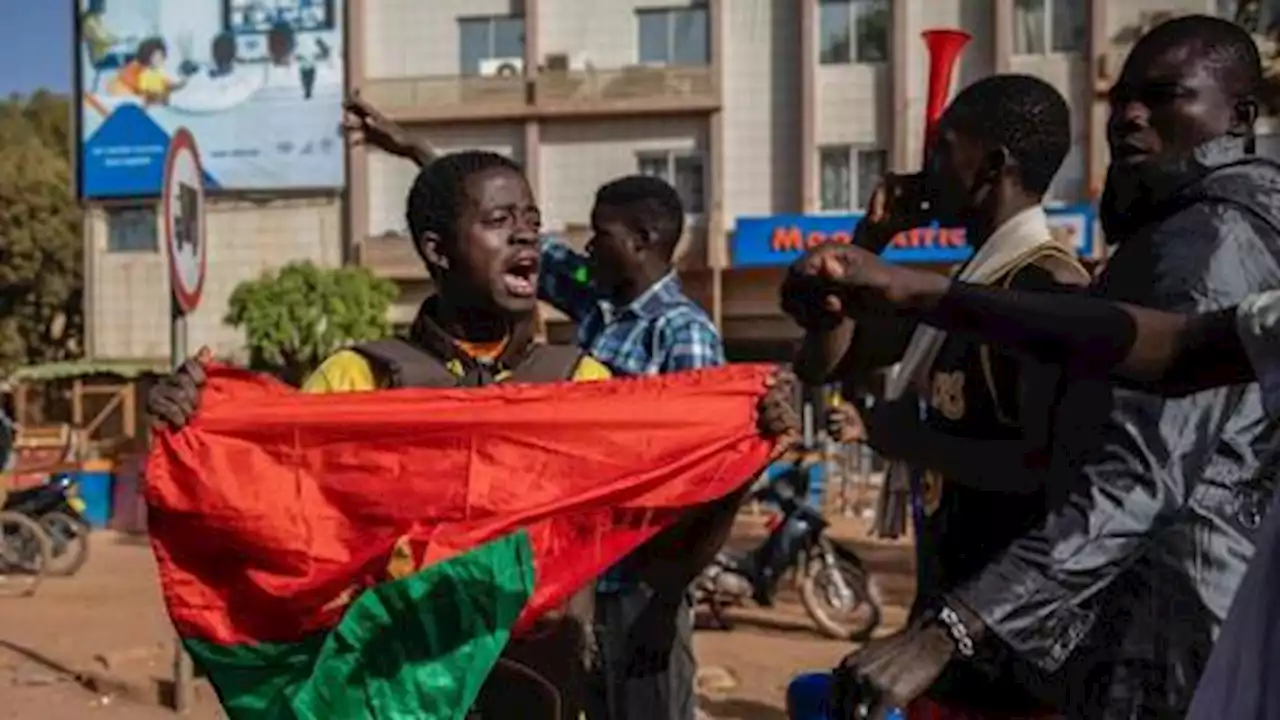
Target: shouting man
x,y
632,314
476,225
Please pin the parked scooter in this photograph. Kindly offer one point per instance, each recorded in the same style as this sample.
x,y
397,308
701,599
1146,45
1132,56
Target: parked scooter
x,y
24,554
59,510
834,585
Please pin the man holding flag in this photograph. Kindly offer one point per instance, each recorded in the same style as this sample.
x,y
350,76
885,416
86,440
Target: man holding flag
x,y
632,314
475,224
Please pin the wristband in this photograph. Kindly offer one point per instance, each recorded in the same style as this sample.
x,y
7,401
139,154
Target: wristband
x,y
958,632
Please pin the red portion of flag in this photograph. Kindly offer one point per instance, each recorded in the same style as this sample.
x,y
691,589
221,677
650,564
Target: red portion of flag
x,y
274,507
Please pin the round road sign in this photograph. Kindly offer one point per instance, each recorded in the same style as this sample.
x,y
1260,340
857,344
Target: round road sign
x,y
183,208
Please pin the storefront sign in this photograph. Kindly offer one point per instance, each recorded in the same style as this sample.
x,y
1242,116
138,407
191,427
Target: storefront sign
x,y
779,240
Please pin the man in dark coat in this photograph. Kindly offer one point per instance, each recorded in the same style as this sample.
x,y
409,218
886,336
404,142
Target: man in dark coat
x,y
1112,604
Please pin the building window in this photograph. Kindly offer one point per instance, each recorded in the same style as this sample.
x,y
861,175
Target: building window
x,y
673,36
853,31
848,176
245,17
1050,26
686,171
490,38
132,230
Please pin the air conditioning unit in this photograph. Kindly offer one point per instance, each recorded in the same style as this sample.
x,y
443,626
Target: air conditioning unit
x,y
564,62
502,67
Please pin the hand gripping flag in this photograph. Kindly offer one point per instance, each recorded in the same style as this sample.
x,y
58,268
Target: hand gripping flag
x,y
368,555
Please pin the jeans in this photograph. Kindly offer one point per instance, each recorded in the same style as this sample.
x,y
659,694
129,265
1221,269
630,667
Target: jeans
x,y
645,668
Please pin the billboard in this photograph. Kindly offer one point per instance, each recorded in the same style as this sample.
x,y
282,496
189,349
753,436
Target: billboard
x,y
779,240
258,83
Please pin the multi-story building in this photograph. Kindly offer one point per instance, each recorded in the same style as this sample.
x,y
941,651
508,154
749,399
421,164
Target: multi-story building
x,y
773,114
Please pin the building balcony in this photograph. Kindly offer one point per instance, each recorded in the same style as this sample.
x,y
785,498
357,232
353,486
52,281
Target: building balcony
x,y
453,98
635,90
549,93
391,256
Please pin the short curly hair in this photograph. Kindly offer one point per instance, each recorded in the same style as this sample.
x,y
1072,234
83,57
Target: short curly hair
x,y
1227,47
435,200
1025,115
650,204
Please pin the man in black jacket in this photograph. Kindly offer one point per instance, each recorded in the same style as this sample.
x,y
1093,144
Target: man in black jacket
x,y
1117,597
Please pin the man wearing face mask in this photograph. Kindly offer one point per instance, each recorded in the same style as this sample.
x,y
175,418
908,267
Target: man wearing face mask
x,y
1117,597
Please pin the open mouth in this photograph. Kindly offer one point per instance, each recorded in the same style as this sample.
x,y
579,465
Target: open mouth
x,y
521,276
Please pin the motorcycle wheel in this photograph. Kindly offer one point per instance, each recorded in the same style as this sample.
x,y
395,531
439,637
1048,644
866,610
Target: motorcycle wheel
x,y
838,619
24,555
70,543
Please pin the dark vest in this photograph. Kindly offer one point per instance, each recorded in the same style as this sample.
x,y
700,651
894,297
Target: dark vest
x,y
557,658
974,393
429,357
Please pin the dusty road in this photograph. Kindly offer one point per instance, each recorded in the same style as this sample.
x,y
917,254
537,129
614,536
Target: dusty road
x,y
108,625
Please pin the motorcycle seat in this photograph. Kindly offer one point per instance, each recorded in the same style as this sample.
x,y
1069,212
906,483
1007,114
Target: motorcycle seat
x,y
17,499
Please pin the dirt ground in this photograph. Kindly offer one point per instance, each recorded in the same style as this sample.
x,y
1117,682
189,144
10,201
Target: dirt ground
x,y
99,646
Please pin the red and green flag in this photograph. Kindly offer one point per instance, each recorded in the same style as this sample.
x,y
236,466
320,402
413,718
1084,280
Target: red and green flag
x,y
370,554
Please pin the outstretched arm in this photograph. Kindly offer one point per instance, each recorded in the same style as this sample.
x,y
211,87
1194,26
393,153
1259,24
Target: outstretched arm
x,y
369,125
1168,353
1164,352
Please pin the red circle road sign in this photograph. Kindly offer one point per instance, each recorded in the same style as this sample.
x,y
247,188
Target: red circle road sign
x,y
183,209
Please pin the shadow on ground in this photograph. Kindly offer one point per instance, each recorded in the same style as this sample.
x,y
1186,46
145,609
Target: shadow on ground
x,y
760,619
739,709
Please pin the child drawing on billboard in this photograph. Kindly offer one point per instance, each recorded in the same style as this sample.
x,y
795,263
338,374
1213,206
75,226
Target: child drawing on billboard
x,y
102,46
144,77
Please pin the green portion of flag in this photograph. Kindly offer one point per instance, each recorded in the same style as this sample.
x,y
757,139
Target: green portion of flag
x,y
419,647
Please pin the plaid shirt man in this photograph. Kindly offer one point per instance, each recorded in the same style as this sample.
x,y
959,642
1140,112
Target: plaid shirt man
x,y
662,331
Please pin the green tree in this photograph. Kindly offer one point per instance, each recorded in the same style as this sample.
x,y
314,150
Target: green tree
x,y
41,252
42,116
49,116
296,317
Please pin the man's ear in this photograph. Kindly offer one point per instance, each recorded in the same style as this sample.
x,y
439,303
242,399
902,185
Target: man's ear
x,y
1246,115
651,238
432,251
995,162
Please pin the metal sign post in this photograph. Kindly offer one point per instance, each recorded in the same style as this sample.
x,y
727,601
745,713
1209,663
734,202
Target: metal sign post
x,y
182,200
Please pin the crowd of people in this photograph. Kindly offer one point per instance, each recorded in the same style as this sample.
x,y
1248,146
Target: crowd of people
x,y
1085,461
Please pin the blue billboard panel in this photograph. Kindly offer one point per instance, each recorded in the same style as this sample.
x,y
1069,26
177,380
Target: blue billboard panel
x,y
781,239
259,83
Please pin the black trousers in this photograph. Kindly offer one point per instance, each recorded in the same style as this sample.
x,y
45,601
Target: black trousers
x,y
645,667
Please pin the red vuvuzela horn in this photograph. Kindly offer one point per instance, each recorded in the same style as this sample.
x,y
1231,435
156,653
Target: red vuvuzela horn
x,y
944,48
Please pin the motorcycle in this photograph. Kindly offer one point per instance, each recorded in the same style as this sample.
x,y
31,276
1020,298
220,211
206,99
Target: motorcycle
x,y
834,585
24,554
59,510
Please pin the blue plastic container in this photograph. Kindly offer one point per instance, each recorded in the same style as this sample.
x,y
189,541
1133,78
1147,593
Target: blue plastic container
x,y
95,489
809,698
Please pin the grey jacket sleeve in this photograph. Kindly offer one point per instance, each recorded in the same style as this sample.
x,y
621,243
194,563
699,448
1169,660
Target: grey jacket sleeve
x,y
1258,323
1042,595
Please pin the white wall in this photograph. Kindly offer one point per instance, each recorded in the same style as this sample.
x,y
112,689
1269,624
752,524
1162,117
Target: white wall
x,y
412,38
391,177
129,291
761,108
578,157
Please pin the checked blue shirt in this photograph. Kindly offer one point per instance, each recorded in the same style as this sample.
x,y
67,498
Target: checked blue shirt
x,y
662,331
